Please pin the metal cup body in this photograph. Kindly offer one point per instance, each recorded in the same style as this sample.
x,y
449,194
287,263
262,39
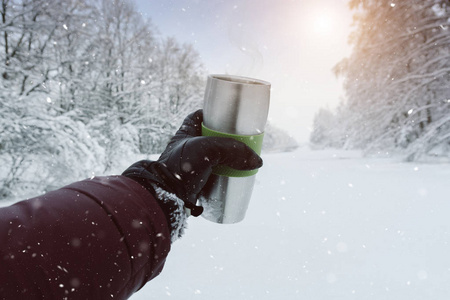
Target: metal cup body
x,y
233,105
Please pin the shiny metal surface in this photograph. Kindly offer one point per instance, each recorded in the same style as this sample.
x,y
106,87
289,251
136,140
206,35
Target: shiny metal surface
x,y
236,105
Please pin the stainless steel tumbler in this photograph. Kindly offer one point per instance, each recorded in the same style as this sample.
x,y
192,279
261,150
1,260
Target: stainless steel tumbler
x,y
234,107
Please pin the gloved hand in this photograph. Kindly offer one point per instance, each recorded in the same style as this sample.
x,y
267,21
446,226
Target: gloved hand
x,y
186,163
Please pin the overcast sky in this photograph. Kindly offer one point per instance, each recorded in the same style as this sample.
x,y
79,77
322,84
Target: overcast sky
x,y
291,43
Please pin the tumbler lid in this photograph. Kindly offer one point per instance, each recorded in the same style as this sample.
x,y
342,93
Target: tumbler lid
x,y
239,79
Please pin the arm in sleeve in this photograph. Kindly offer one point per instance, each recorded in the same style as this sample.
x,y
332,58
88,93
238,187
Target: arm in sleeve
x,y
101,238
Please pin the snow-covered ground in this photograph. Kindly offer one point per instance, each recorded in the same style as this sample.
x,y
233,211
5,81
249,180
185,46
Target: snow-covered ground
x,y
322,225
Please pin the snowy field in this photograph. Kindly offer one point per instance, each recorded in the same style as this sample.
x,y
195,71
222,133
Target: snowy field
x,y
322,225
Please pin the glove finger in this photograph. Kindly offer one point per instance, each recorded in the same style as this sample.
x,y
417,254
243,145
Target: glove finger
x,y
232,153
192,125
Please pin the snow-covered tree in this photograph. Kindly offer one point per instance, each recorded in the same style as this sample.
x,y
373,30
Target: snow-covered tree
x,y
82,88
35,136
323,125
398,76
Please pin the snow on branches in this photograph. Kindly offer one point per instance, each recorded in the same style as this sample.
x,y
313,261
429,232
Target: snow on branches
x,y
397,80
85,84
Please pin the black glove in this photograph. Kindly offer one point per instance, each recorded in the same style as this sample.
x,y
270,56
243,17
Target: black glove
x,y
186,164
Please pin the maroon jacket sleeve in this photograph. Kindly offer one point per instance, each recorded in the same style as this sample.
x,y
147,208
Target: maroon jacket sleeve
x,y
101,238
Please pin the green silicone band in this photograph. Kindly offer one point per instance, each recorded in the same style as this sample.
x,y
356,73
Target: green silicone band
x,y
253,141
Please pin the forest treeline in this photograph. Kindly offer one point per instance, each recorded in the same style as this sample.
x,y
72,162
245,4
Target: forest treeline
x,y
85,84
397,81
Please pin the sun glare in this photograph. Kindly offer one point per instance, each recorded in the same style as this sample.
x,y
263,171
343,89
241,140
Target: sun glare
x,y
323,24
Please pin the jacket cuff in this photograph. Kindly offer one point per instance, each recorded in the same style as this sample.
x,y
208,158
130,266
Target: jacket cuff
x,y
175,212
